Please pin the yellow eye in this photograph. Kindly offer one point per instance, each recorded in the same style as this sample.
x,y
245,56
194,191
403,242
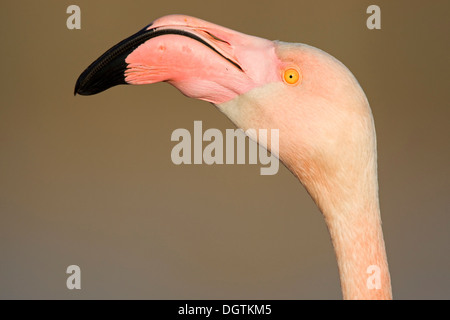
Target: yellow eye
x,y
291,76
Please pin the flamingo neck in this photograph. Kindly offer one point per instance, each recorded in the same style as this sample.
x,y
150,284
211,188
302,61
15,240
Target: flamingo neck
x,y
347,195
360,252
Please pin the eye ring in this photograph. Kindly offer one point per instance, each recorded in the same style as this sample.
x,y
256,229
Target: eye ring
x,y
292,76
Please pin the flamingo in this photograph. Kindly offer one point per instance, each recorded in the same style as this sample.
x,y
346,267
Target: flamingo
x,y
326,128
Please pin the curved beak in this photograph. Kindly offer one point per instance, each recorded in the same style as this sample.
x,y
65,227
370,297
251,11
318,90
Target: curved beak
x,y
202,60
109,69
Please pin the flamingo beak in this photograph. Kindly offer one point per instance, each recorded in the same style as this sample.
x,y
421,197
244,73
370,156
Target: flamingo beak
x,y
202,60
109,69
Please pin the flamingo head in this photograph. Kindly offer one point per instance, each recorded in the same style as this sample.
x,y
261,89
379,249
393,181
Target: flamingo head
x,y
320,110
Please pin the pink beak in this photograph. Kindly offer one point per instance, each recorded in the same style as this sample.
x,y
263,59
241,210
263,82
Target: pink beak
x,y
203,60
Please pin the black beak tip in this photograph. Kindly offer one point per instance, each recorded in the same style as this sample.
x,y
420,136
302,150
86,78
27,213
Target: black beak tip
x,y
94,80
77,85
109,69
82,86
79,89
85,88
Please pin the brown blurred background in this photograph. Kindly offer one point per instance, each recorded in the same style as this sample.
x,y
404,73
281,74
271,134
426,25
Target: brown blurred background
x,y
89,180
